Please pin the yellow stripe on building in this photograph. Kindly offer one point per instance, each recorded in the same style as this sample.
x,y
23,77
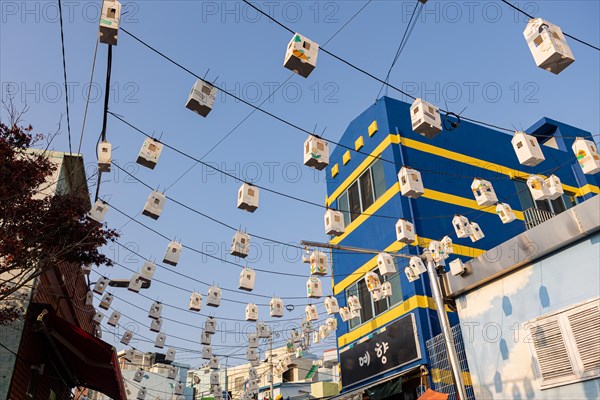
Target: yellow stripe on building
x,y
451,155
390,315
445,376
394,248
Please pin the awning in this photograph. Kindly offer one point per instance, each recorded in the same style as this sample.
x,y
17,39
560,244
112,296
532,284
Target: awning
x,y
87,360
392,388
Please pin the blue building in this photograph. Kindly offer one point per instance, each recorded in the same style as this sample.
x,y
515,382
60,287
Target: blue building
x,y
362,182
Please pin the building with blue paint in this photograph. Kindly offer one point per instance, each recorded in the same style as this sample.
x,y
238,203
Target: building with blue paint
x,y
362,182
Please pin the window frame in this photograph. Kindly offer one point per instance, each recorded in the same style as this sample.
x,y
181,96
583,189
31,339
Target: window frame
x,y
346,208
562,317
353,290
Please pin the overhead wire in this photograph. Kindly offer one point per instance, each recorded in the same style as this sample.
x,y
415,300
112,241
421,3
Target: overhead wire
x,y
64,62
564,33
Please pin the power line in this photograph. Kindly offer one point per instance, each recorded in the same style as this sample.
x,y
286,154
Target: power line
x,y
564,33
62,41
363,71
202,282
407,32
347,22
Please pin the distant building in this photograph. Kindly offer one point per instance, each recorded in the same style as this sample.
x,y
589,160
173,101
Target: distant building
x,y
385,349
530,311
293,382
155,377
56,346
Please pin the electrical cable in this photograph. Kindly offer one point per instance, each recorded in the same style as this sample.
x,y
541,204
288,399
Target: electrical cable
x,y
564,33
405,36
191,278
62,41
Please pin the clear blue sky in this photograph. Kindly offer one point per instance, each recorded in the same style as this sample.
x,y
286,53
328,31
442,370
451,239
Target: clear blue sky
x,y
471,53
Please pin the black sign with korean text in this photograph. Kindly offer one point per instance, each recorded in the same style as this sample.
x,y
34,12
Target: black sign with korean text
x,y
395,346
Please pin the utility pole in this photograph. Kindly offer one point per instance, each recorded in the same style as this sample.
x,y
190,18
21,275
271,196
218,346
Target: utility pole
x,y
438,299
271,365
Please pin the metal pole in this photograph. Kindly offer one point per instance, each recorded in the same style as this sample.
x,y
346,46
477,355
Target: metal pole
x,y
271,364
438,299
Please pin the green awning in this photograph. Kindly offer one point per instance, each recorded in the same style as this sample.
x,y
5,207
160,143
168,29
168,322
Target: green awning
x,y
385,390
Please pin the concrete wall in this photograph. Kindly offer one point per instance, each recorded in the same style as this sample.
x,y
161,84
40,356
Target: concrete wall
x,y
493,319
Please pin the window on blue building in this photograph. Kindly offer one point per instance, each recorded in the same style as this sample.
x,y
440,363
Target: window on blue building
x,y
363,192
557,206
371,309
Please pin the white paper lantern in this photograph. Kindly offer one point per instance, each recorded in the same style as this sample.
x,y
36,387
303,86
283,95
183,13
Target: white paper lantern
x,y
405,231
210,325
141,394
548,45
113,320
345,314
240,244
334,222
135,283
154,205
214,378
205,338
109,23
156,325
484,192
276,307
104,156
213,363
331,305
202,98
149,153
314,289
247,277
251,312
248,197
318,263
586,152
386,264
554,187
106,301
417,265
538,187
253,340
155,310
462,226
311,313
505,213
126,338
386,289
100,285
213,298
148,270
173,253
262,330
301,55
170,356
98,211
207,352
527,149
160,340
411,184
425,118
139,375
98,317
372,281
354,303
477,233
411,274
316,153
195,302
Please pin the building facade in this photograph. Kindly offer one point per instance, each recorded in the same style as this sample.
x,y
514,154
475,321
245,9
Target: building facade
x,y
531,318
364,185
55,346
